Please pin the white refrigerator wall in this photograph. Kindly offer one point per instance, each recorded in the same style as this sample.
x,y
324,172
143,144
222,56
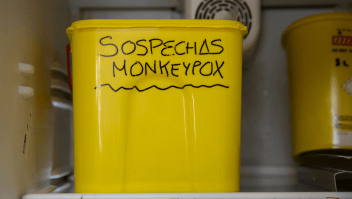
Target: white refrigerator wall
x,y
266,149
32,32
266,131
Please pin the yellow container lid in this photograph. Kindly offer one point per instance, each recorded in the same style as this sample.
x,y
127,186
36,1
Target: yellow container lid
x,y
313,19
155,23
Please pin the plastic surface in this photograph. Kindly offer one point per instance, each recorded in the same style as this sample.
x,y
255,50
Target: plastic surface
x,y
319,56
157,105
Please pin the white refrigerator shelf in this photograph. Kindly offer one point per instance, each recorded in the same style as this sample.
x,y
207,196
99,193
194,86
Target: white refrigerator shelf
x,y
252,195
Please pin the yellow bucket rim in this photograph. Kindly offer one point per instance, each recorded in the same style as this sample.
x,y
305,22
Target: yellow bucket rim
x,y
155,23
313,19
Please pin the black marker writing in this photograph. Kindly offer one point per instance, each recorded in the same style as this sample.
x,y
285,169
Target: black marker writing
x,y
137,62
123,68
166,47
188,47
186,67
154,86
211,69
198,68
122,47
151,44
218,68
201,48
109,44
172,69
130,66
196,64
176,47
146,64
222,48
146,49
164,66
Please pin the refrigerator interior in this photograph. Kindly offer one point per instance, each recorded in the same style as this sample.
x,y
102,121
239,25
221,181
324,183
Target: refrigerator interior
x,y
40,161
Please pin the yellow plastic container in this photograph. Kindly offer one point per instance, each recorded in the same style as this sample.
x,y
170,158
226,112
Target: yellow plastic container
x,y
157,105
319,56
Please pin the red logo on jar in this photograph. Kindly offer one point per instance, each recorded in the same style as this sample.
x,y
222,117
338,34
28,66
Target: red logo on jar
x,y
341,40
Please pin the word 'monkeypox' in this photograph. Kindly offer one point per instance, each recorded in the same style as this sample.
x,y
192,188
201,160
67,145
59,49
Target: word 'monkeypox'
x,y
165,48
173,69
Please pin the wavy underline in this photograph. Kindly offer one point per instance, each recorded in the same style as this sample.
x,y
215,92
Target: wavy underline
x,y
154,86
